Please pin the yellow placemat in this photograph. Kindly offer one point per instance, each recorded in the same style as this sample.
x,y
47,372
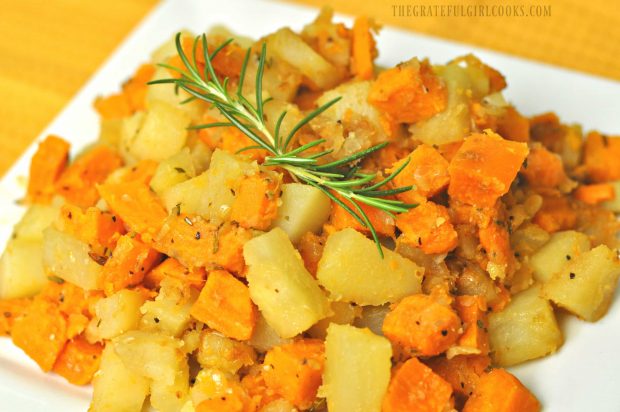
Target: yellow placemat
x,y
48,49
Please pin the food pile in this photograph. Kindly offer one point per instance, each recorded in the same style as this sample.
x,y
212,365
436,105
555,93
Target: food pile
x,y
391,243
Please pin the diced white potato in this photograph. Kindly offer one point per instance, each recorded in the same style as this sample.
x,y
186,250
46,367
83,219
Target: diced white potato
x,y
353,98
281,80
161,359
304,209
586,284
224,32
174,170
526,329
228,355
357,369
115,387
129,129
201,157
210,194
352,270
68,258
21,269
560,250
265,337
160,134
288,46
166,93
212,383
289,297
170,311
173,397
614,204
372,318
115,315
273,110
344,314
110,131
36,219
453,123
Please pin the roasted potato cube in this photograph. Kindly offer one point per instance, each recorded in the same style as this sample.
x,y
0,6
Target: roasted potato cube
x,y
586,284
352,270
555,254
526,329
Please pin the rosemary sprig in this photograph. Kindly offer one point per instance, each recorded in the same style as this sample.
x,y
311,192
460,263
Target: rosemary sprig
x,y
340,180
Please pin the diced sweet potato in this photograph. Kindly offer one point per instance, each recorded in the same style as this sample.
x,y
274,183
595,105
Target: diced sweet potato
x,y
11,309
363,49
512,125
41,333
197,243
423,325
295,370
232,140
499,391
131,260
415,387
484,167
78,182
495,240
101,230
461,372
409,92
78,361
135,88
543,168
173,268
114,106
256,203
381,221
428,227
600,157
427,172
224,304
595,193
46,166
136,205
472,311
556,213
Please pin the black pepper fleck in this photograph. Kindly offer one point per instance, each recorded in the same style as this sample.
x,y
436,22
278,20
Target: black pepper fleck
x,y
572,275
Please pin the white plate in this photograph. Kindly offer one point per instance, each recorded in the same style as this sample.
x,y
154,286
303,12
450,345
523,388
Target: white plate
x,y
582,376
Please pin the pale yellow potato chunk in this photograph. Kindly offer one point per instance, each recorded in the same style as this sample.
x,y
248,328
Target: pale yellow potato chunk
x,y
67,257
559,251
289,297
210,194
357,369
264,336
352,270
288,46
586,285
115,315
161,359
159,134
174,170
526,329
115,387
21,269
304,209
36,219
